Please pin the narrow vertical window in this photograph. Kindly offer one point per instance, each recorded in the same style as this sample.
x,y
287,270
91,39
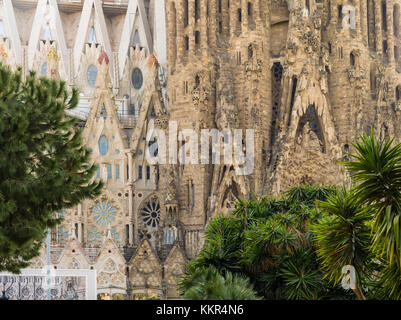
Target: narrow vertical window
x,y
126,233
340,13
186,9
117,171
92,35
396,20
186,43
384,16
352,59
139,172
2,29
98,171
109,173
147,172
197,10
47,35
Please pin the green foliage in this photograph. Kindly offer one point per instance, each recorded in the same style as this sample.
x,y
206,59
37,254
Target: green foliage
x,y
376,170
43,165
376,167
343,235
209,284
268,241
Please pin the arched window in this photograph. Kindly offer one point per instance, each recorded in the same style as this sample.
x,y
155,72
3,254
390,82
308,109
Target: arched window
x,y
340,13
384,16
186,9
43,71
371,22
103,145
47,35
92,75
92,35
352,59
396,20
186,43
2,29
137,78
136,40
250,9
197,10
398,93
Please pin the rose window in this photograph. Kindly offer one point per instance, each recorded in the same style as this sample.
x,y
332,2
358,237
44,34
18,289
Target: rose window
x,y
151,214
104,213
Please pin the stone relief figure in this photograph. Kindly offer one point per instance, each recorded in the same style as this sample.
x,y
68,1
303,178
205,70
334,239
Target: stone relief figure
x,y
226,113
201,90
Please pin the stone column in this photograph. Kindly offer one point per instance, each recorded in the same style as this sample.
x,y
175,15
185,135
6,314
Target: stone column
x,y
244,9
233,18
80,236
191,26
378,27
130,178
180,29
203,28
213,23
390,33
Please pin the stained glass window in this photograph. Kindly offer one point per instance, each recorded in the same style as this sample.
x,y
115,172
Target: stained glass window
x,y
2,29
92,35
137,78
109,174
117,171
44,69
92,75
136,39
47,35
104,213
103,145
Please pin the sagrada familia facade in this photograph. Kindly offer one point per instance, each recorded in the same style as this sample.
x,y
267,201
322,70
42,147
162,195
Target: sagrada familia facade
x,y
308,76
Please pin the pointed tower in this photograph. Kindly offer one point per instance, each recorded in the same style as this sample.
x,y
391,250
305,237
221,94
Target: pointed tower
x,y
47,44
92,38
10,43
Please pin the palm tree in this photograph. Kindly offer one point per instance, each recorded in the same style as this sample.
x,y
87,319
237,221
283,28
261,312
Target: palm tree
x,y
342,237
209,284
376,168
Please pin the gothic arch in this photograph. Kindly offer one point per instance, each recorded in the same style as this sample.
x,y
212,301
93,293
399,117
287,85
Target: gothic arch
x,y
47,21
91,8
311,125
136,10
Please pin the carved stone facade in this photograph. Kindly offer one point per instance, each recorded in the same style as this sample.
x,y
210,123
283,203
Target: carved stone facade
x,y
291,70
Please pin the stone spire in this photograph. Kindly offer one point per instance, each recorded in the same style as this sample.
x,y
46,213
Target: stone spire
x,y
103,80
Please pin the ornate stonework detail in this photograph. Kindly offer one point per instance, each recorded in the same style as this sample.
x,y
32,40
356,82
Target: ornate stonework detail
x,y
285,69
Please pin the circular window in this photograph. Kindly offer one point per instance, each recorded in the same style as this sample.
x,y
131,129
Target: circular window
x,y
151,214
92,75
137,78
